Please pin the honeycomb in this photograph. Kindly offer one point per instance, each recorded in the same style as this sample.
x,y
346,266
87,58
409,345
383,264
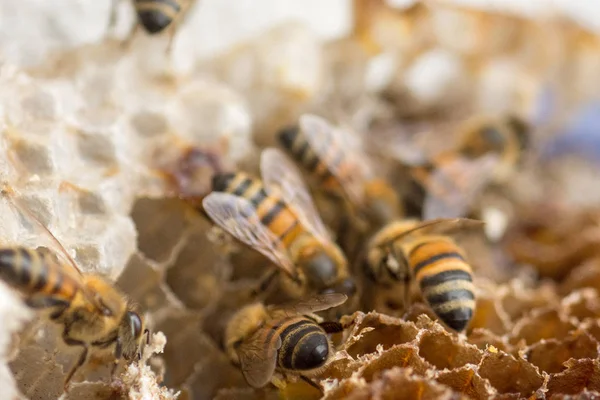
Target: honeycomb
x,y
112,147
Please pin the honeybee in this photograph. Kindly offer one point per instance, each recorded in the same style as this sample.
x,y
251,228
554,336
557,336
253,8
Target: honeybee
x,y
156,16
407,250
288,338
278,219
92,310
508,136
340,170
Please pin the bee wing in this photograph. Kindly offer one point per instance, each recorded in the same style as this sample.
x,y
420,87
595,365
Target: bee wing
x,y
56,251
438,226
322,137
258,357
313,304
238,217
278,171
452,187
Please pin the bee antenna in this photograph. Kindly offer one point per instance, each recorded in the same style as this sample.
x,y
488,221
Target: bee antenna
x,y
147,333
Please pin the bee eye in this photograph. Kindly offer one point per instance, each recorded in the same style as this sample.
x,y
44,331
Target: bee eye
x,y
136,324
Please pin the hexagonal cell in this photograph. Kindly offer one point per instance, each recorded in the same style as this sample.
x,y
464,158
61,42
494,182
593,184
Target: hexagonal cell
x,y
96,148
369,331
466,381
161,225
403,356
31,157
580,375
550,355
397,383
444,350
149,124
490,315
508,374
143,284
199,272
541,324
582,304
186,346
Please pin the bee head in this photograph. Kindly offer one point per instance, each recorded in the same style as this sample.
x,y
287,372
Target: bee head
x,y
132,332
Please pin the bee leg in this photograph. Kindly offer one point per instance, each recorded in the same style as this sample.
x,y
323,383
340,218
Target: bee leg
x,y
118,355
80,361
312,383
331,327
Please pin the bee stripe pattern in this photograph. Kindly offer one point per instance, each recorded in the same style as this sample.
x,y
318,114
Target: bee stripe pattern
x,y
271,209
298,336
445,280
300,149
30,272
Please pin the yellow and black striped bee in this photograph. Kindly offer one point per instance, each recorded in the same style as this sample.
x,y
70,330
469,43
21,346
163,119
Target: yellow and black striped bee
x,y
410,250
276,217
92,310
288,338
341,170
157,16
508,136
446,185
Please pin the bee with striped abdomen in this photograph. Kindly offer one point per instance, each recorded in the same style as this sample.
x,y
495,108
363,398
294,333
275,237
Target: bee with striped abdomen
x,y
447,184
277,218
92,310
288,338
410,250
157,16
341,170
508,136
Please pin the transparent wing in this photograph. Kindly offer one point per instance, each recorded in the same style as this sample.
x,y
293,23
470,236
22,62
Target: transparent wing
x,y
452,188
238,217
279,172
438,226
258,357
313,304
354,167
55,250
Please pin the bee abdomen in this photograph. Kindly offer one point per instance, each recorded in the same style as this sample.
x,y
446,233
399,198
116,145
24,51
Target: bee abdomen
x,y
18,269
300,149
156,15
446,283
304,346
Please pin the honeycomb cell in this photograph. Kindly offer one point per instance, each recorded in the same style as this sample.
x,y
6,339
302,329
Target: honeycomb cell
x,y
542,324
466,381
550,355
375,330
510,375
403,356
143,284
397,383
149,124
578,376
161,225
443,350
30,156
198,273
96,148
